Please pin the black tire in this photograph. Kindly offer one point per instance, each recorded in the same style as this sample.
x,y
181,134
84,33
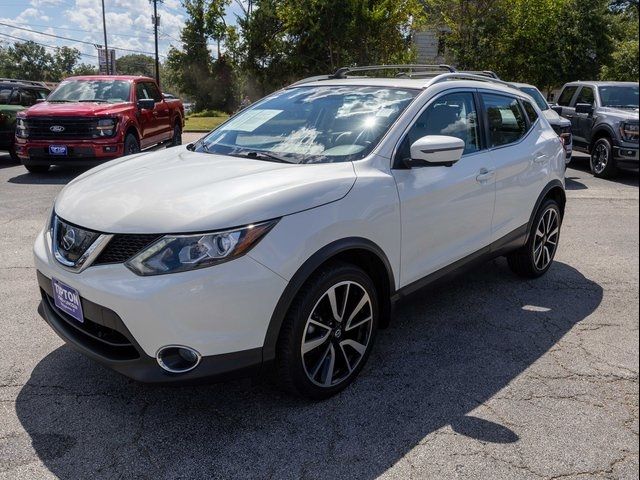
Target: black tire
x,y
176,138
37,168
602,163
312,303
12,153
530,261
131,144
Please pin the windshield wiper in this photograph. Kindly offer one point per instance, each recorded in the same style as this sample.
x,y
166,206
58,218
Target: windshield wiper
x,y
95,100
59,101
258,155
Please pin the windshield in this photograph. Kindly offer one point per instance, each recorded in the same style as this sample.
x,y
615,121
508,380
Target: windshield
x,y
537,96
619,96
311,124
111,91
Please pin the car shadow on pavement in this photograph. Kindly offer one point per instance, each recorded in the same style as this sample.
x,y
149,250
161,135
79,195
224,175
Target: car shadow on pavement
x,y
449,350
630,178
55,176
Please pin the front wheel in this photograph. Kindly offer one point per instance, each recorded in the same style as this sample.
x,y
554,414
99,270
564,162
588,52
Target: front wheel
x,y
535,258
176,138
602,162
131,144
12,153
328,332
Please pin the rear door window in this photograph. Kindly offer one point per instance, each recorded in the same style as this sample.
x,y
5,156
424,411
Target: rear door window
x,y
506,120
566,96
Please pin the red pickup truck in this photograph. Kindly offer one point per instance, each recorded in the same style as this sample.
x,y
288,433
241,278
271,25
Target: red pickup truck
x,y
91,119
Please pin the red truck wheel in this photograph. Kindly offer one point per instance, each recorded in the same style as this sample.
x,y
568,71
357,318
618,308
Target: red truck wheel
x,y
131,145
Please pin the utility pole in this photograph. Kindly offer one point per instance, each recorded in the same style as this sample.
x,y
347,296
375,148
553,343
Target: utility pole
x,y
156,23
106,47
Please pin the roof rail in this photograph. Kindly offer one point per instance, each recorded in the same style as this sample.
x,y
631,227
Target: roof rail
x,y
343,71
24,82
467,76
484,73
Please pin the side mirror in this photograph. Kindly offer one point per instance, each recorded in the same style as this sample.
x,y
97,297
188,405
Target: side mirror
x,y
584,108
436,151
557,109
146,104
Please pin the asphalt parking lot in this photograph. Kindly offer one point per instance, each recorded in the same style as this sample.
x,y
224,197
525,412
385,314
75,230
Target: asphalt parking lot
x,y
486,377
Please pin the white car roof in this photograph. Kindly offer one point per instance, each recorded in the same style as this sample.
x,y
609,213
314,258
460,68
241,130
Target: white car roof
x,y
451,80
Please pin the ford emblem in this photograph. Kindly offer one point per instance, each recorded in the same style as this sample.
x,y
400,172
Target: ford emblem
x,y
56,128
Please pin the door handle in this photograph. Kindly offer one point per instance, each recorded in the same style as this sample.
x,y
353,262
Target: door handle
x,y
540,158
485,175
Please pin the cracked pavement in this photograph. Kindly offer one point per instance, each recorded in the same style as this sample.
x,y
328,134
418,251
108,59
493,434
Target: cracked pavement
x,y
487,376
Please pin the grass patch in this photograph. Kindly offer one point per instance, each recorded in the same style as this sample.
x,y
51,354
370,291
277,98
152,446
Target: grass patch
x,y
202,124
209,113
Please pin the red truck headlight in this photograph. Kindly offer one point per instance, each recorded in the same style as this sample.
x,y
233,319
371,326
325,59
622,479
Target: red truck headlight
x,y
106,127
21,128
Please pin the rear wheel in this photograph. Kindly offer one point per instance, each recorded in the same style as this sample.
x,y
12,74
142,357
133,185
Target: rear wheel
x,y
131,144
602,162
536,257
328,332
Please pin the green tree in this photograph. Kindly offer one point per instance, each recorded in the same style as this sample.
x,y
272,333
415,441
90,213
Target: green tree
x,y
624,60
136,64
25,60
192,68
284,40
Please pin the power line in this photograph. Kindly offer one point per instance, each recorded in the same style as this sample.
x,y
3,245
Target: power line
x,y
81,30
71,39
42,44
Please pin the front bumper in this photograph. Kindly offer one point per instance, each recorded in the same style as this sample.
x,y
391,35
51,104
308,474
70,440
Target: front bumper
x,y
79,152
626,156
222,312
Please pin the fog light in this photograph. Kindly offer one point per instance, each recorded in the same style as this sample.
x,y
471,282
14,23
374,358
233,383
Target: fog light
x,y
110,149
177,359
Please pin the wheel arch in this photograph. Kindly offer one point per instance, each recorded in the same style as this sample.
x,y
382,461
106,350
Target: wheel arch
x,y
131,128
355,250
554,190
602,130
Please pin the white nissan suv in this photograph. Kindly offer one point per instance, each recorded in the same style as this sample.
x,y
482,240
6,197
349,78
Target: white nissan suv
x,y
284,237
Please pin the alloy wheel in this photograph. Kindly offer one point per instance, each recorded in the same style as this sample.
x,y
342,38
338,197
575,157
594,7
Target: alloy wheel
x,y
600,158
546,239
337,334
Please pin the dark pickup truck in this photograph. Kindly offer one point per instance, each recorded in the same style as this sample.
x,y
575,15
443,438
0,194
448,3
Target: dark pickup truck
x,y
91,119
16,96
604,119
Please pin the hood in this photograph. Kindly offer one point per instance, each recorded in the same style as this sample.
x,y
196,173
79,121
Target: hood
x,y
621,113
554,119
76,109
179,191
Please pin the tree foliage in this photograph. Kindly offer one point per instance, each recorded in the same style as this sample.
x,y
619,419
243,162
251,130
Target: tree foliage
x,y
544,42
30,61
286,39
192,68
136,64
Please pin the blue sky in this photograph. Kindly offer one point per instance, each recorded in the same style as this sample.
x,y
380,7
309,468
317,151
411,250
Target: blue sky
x,y
128,23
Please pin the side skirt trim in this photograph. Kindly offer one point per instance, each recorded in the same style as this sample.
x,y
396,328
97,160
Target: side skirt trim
x,y
506,244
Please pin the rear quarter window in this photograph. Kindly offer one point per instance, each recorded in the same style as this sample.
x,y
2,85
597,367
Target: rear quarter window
x,y
531,112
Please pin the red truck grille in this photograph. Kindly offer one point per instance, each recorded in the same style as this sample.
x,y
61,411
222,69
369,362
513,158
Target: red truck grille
x,y
53,128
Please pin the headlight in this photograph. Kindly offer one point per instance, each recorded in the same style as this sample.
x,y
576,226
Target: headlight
x,y
629,132
21,128
179,253
106,127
